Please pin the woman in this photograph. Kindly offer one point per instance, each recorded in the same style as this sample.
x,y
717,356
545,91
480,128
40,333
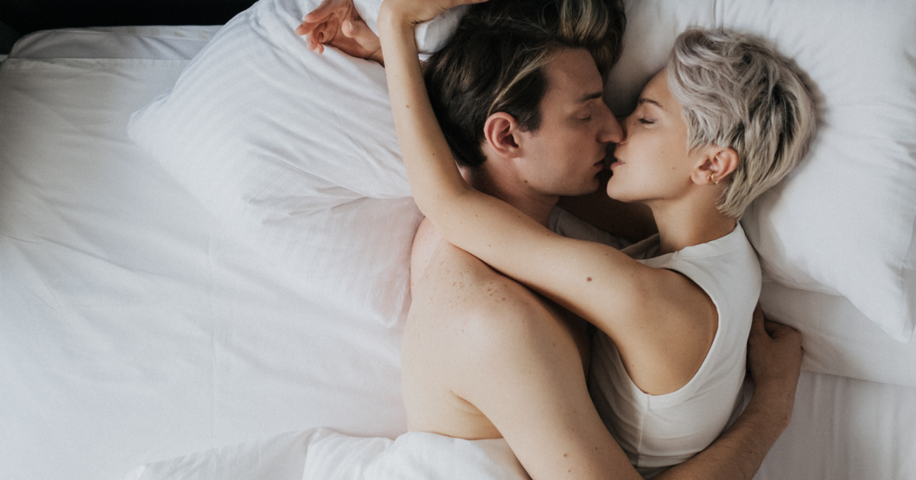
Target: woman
x,y
723,122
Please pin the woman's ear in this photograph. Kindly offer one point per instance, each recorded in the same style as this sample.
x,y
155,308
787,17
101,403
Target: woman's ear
x,y
716,164
501,135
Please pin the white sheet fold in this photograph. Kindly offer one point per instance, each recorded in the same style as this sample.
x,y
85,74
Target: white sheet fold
x,y
322,454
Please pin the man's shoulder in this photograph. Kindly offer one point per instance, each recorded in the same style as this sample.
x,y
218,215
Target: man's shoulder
x,y
429,247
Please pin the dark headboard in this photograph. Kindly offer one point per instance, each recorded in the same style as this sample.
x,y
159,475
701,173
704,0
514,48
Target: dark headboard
x,y
26,16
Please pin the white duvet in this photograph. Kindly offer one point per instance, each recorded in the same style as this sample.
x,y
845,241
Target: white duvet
x,y
327,455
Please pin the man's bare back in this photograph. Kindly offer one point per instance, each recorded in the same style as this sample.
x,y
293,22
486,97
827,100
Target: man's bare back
x,y
464,313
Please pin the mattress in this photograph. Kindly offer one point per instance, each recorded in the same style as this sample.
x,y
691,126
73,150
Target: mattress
x,y
134,327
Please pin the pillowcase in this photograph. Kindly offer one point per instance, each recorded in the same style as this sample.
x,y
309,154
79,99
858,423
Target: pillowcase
x,y
842,223
296,154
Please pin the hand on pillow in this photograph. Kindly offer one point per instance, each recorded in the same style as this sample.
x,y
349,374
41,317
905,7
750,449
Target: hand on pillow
x,y
338,24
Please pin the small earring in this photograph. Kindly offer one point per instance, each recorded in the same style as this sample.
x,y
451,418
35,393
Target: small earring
x,y
712,180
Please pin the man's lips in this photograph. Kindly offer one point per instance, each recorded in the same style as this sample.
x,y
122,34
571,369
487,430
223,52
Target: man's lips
x,y
600,164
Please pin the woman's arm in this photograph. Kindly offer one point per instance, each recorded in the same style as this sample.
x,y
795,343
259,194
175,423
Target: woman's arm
x,y
594,281
429,162
494,231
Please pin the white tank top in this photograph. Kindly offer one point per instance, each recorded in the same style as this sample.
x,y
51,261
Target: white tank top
x,y
658,431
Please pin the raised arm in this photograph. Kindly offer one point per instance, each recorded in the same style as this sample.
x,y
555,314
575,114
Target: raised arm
x,y
588,279
434,177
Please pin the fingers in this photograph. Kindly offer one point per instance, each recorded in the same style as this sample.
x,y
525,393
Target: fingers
x,y
783,332
777,330
326,9
359,31
304,28
322,15
313,44
320,35
760,324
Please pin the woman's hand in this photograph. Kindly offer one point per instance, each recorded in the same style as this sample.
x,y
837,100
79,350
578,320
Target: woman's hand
x,y
338,24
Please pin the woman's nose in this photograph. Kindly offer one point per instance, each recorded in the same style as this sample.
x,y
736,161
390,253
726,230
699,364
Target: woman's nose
x,y
622,126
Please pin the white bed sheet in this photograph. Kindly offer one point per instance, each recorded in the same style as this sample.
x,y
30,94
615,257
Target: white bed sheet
x,y
134,328
842,421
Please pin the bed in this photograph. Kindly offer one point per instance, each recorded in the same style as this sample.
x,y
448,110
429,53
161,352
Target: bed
x,y
205,234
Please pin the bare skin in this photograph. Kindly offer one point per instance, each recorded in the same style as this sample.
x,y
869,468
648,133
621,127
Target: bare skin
x,y
337,23
485,357
504,237
470,355
457,335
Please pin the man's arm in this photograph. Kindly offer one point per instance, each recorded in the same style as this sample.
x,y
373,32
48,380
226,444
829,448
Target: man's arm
x,y
518,365
526,377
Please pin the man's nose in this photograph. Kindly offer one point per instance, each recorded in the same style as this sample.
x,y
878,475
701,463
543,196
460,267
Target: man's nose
x,y
613,131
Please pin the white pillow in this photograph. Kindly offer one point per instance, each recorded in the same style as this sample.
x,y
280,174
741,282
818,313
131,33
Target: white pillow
x,y
287,147
255,113
256,118
843,222
263,131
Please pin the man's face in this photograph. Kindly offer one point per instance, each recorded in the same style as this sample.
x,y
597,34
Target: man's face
x,y
564,155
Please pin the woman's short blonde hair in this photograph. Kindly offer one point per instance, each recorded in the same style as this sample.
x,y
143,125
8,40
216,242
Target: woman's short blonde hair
x,y
737,92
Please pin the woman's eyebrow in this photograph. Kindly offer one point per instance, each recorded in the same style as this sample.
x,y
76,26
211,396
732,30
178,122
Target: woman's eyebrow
x,y
643,100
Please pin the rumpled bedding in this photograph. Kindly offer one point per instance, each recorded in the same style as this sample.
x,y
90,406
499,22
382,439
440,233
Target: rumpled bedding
x,y
322,454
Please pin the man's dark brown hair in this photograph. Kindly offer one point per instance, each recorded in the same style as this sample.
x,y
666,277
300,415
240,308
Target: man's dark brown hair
x,y
495,62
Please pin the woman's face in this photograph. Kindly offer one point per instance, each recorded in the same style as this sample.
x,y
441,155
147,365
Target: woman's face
x,y
652,162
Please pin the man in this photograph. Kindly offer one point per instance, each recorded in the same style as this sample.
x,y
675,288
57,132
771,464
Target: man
x,y
483,356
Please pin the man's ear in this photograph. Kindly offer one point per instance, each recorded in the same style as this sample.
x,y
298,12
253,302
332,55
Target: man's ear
x,y
715,164
501,134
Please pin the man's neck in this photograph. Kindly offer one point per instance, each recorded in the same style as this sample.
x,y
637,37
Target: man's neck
x,y
537,206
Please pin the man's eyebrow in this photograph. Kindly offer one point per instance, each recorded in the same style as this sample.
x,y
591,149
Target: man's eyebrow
x,y
590,96
643,100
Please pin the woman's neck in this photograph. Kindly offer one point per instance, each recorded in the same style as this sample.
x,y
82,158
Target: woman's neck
x,y
683,225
